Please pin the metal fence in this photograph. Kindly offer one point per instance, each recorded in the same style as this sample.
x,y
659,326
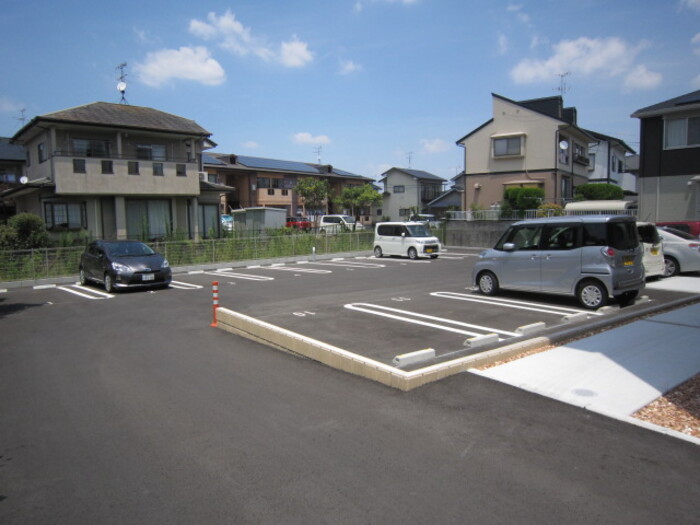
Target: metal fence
x,y
512,215
41,263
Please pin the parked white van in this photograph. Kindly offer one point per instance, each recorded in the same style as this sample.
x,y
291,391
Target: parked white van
x,y
338,224
412,239
653,258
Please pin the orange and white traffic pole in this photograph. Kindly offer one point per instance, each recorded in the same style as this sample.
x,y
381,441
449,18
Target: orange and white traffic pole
x,y
215,300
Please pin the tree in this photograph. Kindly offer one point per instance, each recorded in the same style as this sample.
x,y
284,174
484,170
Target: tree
x,y
315,192
24,231
353,197
598,191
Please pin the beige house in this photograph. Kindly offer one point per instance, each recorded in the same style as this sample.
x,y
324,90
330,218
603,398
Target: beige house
x,y
531,143
116,171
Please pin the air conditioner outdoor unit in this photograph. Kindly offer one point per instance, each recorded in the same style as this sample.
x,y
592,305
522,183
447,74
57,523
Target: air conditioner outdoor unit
x,y
202,175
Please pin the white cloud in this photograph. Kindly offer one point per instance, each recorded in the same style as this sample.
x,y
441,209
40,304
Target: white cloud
x,y
251,144
691,4
519,13
584,56
695,41
295,53
434,145
10,106
188,63
238,39
348,66
502,44
308,138
695,83
641,78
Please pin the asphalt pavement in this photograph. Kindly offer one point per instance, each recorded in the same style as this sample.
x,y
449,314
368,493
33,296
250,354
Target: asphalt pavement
x,y
618,371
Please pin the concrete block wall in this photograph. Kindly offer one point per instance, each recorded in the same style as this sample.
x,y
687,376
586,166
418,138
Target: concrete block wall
x,y
474,234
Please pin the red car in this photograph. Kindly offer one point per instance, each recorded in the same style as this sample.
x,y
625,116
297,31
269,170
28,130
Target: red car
x,y
298,223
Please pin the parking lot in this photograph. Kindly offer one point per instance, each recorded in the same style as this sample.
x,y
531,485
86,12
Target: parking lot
x,y
378,308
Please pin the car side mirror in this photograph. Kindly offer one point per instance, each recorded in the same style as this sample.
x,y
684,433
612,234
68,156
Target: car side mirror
x,y
403,234
509,247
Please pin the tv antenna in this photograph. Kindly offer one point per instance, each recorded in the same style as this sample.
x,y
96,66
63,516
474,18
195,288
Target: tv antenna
x,y
318,154
22,119
121,85
409,155
563,88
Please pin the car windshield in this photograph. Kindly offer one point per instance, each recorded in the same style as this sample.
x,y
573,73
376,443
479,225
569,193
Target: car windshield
x,y
648,233
128,249
226,218
417,230
348,219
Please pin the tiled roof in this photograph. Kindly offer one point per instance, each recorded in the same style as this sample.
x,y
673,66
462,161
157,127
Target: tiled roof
x,y
11,151
419,174
670,104
126,116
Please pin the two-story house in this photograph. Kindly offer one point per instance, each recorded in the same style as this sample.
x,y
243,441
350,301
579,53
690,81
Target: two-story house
x,y
12,158
608,162
530,143
116,171
260,181
407,191
669,164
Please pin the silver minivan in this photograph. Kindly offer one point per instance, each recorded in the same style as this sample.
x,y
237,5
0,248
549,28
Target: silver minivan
x,y
592,257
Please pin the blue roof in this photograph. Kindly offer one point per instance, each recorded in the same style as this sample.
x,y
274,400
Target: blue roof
x,y
274,164
208,159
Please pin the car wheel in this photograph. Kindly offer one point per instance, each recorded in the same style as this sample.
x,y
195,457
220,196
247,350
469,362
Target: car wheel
x,y
109,284
378,252
627,298
488,283
592,295
412,253
671,266
433,256
83,279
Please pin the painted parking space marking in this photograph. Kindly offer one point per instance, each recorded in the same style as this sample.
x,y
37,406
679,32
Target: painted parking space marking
x,y
348,264
439,323
511,303
235,275
403,260
185,286
297,269
87,293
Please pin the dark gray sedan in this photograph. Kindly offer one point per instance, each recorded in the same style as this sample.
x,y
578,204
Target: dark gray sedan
x,y
123,264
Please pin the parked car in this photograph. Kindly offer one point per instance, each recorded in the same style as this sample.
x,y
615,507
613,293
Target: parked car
x,y
123,264
591,257
411,239
681,252
298,223
653,258
338,224
691,227
227,222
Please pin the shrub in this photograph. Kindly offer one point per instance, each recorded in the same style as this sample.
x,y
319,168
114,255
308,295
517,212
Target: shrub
x,y
524,198
29,231
549,210
598,192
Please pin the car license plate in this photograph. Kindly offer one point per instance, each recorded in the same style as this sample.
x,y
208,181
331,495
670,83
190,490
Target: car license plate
x,y
628,261
148,277
428,250
655,251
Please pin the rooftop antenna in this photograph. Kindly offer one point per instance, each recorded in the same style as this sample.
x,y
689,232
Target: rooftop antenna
x,y
318,154
563,88
409,155
121,86
22,119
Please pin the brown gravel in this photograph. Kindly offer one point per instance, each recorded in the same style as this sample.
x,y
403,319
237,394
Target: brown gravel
x,y
678,409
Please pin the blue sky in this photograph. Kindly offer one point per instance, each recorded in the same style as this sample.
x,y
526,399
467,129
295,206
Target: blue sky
x,y
372,83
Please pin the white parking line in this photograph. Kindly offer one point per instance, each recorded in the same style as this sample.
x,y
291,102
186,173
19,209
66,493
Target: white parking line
x,y
185,286
71,289
510,303
400,260
350,264
434,322
303,270
241,276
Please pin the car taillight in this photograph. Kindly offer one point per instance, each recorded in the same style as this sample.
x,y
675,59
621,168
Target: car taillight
x,y
610,252
693,245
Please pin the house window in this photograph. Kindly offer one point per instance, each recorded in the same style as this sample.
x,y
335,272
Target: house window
x,y
41,151
682,132
133,167
613,164
71,216
263,182
275,183
580,156
158,168
270,191
399,189
79,166
107,167
148,218
379,212
507,146
591,159
285,193
404,212
90,148
181,170
211,177
150,151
